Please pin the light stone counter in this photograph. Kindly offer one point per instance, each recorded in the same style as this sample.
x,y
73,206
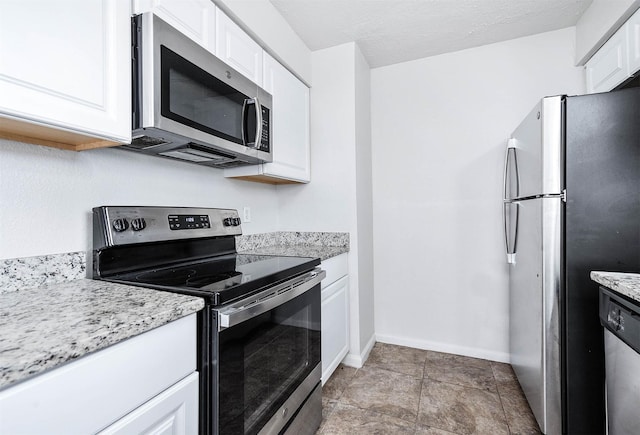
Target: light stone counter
x,y
44,327
627,284
321,245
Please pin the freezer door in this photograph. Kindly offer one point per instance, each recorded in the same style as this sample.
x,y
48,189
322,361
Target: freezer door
x,y
534,282
533,165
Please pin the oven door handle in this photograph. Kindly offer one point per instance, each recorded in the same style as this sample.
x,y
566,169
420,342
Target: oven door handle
x,y
267,300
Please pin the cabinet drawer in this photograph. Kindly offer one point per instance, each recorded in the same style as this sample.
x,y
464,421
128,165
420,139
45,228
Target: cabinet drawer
x,y
94,391
336,267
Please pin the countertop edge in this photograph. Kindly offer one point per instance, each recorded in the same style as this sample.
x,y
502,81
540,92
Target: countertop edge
x,y
627,284
38,360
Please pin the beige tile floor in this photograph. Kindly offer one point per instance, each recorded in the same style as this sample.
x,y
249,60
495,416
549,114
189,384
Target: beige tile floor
x,y
401,390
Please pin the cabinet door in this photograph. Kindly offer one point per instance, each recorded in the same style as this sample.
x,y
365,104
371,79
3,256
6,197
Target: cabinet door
x,y
335,326
610,65
291,156
633,25
66,64
174,411
194,18
237,49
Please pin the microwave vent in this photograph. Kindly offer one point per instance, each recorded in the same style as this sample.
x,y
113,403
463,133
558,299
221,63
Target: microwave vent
x,y
143,142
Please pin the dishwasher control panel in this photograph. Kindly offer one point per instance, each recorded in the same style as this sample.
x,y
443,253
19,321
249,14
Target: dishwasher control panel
x,y
620,316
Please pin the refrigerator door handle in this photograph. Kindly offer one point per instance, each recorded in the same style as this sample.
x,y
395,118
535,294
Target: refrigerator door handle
x,y
510,177
510,212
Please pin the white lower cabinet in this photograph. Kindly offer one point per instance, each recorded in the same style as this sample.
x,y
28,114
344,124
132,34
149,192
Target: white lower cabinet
x,y
335,314
145,384
174,411
335,326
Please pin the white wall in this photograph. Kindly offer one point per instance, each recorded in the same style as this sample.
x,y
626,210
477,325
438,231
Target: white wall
x,y
598,23
439,126
364,200
46,194
264,23
331,202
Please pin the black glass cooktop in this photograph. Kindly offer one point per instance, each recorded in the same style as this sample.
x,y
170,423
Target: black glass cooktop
x,y
220,279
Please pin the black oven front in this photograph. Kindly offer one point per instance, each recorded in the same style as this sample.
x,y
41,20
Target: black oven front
x,y
265,358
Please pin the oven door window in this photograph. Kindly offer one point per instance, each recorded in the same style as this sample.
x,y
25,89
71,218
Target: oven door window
x,y
193,97
263,360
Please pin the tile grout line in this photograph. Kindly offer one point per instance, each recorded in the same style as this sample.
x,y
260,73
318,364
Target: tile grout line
x,y
506,420
420,393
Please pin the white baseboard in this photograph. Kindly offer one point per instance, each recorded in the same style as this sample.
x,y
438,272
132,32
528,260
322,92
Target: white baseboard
x,y
358,360
446,348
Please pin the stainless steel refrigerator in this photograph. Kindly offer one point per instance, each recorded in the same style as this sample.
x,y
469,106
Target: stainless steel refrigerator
x,y
571,205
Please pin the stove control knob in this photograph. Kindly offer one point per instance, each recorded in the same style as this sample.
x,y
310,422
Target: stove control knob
x,y
138,224
120,225
227,222
236,222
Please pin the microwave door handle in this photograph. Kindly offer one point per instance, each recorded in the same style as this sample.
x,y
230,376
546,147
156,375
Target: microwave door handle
x,y
258,139
243,122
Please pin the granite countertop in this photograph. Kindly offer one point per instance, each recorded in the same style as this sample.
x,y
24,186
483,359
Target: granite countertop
x,y
627,284
44,327
315,251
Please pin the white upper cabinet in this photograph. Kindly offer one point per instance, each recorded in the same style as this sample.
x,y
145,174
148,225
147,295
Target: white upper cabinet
x,y
289,131
633,34
65,72
617,60
194,18
237,49
610,65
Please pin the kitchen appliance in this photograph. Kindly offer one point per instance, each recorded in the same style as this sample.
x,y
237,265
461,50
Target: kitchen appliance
x,y
571,205
259,333
620,317
189,105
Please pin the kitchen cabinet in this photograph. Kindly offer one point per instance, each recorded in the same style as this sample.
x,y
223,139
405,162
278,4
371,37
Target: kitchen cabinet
x,y
65,73
633,35
146,382
194,18
617,60
174,411
237,49
335,314
290,130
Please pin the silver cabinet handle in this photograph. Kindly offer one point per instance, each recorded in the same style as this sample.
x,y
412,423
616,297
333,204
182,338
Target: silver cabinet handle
x,y
267,300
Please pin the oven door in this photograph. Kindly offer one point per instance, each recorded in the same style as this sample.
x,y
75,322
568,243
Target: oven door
x,y
268,357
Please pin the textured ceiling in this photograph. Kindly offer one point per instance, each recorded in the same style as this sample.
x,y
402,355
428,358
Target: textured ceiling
x,y
392,31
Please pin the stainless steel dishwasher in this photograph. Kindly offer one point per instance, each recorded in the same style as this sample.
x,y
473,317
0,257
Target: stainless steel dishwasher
x,y
620,318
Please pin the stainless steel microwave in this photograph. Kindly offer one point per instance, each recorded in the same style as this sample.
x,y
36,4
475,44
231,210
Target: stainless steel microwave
x,y
189,105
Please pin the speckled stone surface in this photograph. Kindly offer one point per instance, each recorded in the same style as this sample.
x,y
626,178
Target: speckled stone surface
x,y
627,284
294,244
28,272
322,252
291,238
45,327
